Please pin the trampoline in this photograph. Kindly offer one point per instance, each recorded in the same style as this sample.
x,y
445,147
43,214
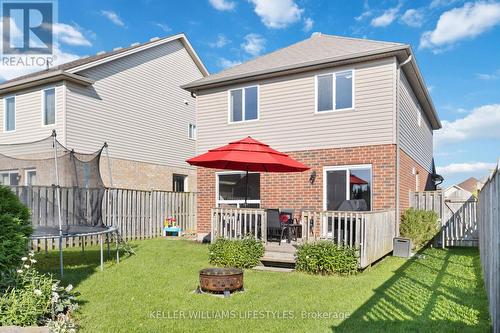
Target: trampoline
x,y
62,188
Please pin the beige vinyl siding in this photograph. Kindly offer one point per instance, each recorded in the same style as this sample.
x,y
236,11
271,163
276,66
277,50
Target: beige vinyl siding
x,y
137,106
29,125
415,140
287,117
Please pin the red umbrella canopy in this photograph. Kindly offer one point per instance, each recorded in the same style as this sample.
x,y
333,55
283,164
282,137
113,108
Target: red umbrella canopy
x,y
357,181
248,154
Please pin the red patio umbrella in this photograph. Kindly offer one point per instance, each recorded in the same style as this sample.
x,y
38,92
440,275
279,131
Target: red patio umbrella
x,y
357,181
247,155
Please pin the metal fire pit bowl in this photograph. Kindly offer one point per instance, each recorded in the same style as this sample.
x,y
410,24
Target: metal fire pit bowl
x,y
221,280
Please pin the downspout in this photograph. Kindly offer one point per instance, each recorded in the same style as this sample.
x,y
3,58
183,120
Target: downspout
x,y
398,104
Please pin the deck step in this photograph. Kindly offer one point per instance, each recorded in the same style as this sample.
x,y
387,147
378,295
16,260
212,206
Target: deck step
x,y
283,248
274,269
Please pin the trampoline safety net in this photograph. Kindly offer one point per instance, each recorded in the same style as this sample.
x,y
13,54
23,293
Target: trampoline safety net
x,y
33,170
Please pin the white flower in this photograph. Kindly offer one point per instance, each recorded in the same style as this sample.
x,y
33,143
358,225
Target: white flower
x,y
38,292
32,254
69,288
55,297
54,287
19,271
33,261
24,258
26,266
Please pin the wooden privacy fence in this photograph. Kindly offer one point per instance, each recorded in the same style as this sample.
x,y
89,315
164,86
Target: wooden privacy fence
x,y
371,232
489,242
459,225
137,214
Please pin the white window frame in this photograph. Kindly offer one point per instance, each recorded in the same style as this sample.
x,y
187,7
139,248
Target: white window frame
x,y
43,106
231,202
10,171
244,120
185,181
26,171
347,168
195,134
334,95
5,113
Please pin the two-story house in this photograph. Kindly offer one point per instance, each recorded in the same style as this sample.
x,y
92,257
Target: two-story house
x,y
356,111
129,97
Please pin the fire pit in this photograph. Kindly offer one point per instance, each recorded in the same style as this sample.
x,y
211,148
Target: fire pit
x,y
221,280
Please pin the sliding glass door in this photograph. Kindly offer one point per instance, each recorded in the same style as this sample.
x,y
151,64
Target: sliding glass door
x,y
348,188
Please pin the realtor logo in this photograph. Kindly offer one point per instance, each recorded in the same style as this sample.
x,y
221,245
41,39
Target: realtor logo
x,y
27,27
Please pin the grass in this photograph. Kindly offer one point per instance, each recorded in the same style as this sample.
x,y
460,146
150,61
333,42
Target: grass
x,y
153,291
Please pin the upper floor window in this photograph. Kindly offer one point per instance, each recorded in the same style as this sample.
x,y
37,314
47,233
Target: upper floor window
x,y
9,114
192,131
49,106
243,104
334,91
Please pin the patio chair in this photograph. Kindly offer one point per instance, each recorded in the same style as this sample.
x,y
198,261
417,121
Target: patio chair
x,y
289,213
274,226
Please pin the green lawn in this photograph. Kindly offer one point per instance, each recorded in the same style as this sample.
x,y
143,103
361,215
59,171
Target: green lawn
x,y
152,291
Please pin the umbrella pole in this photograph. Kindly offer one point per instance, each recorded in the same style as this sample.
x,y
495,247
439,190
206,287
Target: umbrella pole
x,y
246,188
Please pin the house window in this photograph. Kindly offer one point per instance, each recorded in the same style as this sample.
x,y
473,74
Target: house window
x,y
9,178
243,104
192,131
179,183
49,106
30,177
10,114
334,91
348,188
231,189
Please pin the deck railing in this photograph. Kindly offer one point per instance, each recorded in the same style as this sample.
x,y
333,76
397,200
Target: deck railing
x,y
237,223
370,232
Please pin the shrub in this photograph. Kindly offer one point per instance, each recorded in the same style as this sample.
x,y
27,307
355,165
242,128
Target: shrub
x,y
29,298
326,257
244,253
16,229
419,225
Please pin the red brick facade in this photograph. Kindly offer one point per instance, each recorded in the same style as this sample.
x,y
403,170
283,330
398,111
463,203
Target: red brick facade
x,y
293,190
408,179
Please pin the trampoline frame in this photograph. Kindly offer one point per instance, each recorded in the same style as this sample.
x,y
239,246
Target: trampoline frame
x,y
109,229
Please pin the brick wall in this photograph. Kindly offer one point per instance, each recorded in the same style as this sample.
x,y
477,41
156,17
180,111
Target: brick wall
x,y
144,176
293,190
408,180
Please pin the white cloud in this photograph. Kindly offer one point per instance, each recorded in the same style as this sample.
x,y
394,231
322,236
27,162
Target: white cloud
x,y
222,4
226,63
441,3
254,44
386,18
277,14
456,24
113,17
163,26
70,35
366,12
220,42
413,18
470,167
488,77
308,24
481,123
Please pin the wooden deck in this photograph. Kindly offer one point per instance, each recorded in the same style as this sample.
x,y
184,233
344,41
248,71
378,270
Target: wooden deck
x,y
276,255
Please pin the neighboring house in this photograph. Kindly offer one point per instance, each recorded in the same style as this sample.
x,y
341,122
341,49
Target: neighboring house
x,y
471,184
356,111
455,192
129,97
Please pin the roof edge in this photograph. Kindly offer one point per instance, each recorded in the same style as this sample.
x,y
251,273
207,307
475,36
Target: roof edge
x,y
305,66
42,79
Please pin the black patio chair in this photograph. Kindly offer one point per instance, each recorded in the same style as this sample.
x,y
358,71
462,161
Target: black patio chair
x,y
274,226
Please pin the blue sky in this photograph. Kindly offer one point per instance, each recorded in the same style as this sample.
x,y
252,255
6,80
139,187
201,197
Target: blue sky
x,y
457,46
